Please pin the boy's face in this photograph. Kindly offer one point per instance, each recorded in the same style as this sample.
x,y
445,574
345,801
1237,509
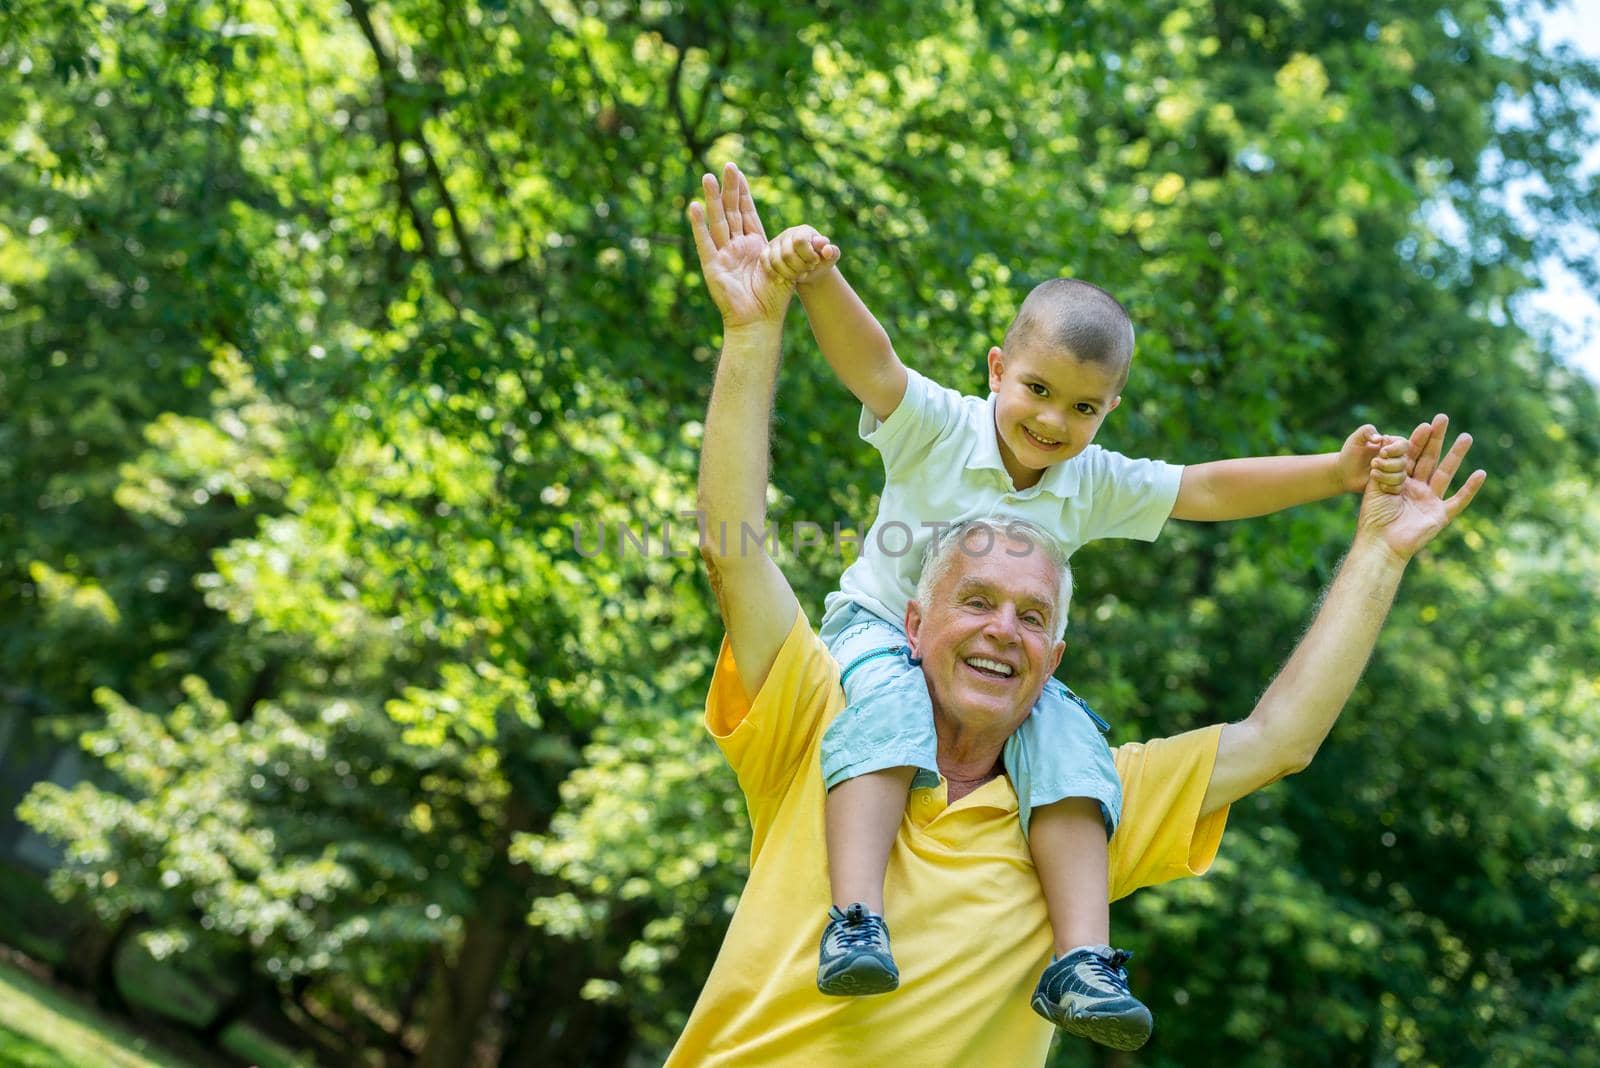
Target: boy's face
x,y
1050,405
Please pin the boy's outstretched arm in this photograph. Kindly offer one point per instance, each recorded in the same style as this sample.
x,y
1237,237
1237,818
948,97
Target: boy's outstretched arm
x,y
852,341
1258,485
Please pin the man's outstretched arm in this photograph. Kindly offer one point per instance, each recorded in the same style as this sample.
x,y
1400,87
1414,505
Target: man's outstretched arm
x,y
757,604
1289,723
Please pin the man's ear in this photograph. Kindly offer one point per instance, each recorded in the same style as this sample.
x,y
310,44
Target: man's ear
x,y
914,622
1055,657
997,367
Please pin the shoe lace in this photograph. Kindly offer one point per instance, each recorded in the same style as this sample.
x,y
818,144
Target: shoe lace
x,y
860,928
1110,968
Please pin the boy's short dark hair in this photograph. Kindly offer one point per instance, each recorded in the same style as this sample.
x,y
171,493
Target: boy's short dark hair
x,y
1078,318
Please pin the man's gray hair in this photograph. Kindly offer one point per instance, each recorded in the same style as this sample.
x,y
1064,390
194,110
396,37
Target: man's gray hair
x,y
959,538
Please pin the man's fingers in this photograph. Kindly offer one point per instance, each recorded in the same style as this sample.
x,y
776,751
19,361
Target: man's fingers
x,y
716,217
730,200
747,208
1429,460
1415,444
1454,506
1445,473
702,236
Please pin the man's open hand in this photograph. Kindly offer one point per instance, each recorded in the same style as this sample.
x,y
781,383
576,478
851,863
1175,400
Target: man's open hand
x,y
1407,518
732,244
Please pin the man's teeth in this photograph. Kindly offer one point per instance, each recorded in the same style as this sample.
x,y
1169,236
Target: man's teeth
x,y
990,665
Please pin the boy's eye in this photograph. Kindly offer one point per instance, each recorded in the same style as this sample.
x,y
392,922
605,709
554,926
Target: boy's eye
x,y
1085,409
1038,390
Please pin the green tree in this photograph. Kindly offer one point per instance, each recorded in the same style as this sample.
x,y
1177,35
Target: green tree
x,y
334,336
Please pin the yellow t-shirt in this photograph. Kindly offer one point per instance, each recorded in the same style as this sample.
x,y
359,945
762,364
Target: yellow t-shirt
x,y
965,913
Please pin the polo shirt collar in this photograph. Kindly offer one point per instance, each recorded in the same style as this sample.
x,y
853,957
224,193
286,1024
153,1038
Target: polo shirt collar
x,y
1060,480
929,803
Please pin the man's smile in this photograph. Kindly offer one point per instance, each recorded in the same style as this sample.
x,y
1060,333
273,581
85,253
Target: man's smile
x,y
993,669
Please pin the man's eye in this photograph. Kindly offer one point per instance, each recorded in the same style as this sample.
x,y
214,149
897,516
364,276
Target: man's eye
x,y
1033,619
1038,390
977,602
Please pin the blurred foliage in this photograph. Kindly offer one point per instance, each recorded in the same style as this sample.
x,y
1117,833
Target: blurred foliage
x,y
333,338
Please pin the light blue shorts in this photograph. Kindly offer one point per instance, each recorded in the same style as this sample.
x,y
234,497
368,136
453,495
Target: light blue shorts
x,y
1059,751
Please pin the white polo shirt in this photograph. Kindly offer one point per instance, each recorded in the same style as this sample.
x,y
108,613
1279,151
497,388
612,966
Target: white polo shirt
x,y
942,466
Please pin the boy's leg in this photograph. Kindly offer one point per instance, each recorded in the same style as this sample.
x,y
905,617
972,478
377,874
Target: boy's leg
x,y
1068,840
1069,800
864,815
873,752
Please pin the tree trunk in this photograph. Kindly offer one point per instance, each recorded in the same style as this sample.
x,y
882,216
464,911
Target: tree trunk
x,y
232,1009
464,988
103,969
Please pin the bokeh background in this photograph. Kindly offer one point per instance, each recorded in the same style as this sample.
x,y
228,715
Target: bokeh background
x,y
323,325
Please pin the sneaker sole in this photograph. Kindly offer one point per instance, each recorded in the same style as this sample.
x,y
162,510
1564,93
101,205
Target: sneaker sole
x,y
1125,1033
861,977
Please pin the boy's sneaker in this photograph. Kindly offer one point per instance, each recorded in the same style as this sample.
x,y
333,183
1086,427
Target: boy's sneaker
x,y
1086,993
855,957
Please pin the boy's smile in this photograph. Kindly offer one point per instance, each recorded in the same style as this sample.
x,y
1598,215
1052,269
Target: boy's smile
x,y
1048,408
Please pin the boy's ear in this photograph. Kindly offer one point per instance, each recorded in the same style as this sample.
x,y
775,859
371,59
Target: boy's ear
x,y
997,367
1114,402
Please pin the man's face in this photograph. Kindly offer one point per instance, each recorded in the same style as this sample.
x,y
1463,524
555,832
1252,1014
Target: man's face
x,y
987,639
1049,404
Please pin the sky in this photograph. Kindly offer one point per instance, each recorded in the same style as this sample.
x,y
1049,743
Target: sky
x,y
1563,297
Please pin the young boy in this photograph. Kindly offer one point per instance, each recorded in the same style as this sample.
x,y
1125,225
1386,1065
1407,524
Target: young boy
x,y
1026,451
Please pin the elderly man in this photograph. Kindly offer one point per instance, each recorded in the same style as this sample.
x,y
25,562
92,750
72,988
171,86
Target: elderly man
x,y
960,864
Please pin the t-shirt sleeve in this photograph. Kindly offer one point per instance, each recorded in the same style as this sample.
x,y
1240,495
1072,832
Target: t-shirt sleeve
x,y
1132,498
767,739
1162,835
926,414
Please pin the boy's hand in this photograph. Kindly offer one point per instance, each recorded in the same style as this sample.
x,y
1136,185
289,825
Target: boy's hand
x,y
732,245
1389,467
801,255
1367,452
1407,518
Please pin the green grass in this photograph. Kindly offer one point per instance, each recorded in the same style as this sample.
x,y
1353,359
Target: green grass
x,y
20,1051
41,1028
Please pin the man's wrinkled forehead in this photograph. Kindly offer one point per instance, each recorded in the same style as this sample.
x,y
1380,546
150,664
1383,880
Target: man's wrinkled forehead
x,y
1011,566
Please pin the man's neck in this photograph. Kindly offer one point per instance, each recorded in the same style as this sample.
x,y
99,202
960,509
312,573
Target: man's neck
x,y
961,782
967,762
